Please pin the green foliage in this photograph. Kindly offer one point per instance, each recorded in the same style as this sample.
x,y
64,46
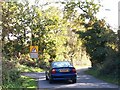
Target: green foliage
x,y
27,20
9,72
108,77
14,27
29,83
88,9
96,40
54,32
28,63
49,32
11,75
111,66
99,40
24,68
23,82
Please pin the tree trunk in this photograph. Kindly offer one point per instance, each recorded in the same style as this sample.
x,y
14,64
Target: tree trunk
x,y
93,64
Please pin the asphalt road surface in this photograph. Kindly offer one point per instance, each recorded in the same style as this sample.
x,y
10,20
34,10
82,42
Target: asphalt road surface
x,y
84,81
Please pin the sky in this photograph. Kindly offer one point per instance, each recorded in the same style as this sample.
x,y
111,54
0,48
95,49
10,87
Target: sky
x,y
109,11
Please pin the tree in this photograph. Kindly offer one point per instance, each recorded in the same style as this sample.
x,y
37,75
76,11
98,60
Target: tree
x,y
98,40
96,35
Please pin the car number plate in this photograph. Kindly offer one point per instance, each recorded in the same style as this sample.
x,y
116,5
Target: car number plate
x,y
64,70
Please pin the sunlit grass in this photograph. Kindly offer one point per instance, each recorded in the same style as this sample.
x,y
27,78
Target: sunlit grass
x,y
29,82
81,66
24,68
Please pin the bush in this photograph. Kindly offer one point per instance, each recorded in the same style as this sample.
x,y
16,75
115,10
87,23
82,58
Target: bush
x,y
27,62
9,72
110,67
41,64
14,74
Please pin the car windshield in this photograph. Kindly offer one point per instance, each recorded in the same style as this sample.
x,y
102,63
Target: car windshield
x,y
61,64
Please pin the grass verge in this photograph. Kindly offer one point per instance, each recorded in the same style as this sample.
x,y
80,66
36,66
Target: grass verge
x,y
108,78
23,82
24,68
29,82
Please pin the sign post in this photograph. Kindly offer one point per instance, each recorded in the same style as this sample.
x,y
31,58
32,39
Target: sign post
x,y
34,51
119,25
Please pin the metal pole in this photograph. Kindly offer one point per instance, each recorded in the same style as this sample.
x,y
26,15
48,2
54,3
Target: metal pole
x,y
119,26
119,41
31,37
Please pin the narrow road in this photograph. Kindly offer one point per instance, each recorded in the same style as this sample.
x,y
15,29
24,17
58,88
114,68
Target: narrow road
x,y
83,81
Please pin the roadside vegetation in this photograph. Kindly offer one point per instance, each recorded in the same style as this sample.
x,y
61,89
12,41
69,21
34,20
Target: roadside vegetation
x,y
24,68
22,82
60,34
108,78
12,76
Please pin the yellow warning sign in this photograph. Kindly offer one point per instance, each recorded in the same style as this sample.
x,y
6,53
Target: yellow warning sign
x,y
33,49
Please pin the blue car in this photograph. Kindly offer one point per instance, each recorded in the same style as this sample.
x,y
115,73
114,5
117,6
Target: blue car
x,y
61,70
